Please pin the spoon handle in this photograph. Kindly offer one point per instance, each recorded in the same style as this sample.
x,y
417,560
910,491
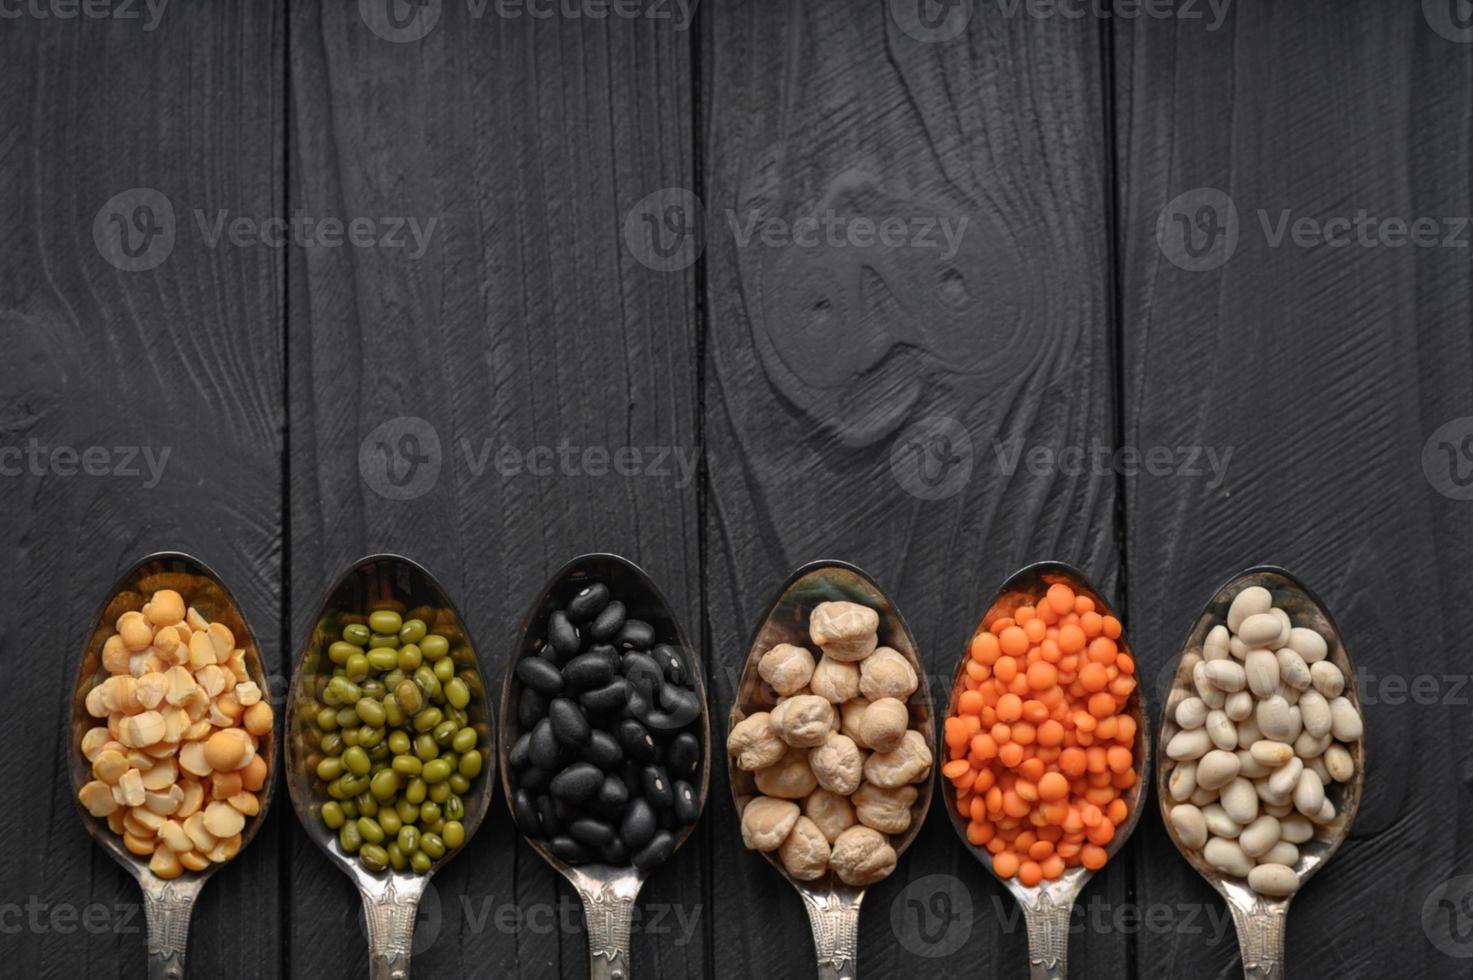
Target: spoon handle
x,y
166,909
1261,939
835,922
608,913
390,920
1048,939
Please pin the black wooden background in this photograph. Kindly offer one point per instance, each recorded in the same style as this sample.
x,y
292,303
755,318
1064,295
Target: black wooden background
x,y
776,399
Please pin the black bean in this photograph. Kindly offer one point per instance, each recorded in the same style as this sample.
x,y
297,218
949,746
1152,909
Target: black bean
x,y
607,624
670,661
562,634
526,810
568,723
656,852
636,740
531,709
684,708
603,750
606,650
547,652
566,812
578,782
520,755
642,670
588,602
567,849
547,817
635,634
629,773
588,670
607,699
613,794
638,825
656,784
545,752
614,852
534,780
687,808
539,675
594,833
683,755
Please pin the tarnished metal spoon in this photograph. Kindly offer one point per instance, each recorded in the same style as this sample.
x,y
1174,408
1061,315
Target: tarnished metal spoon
x,y
608,892
1048,905
390,898
1260,919
167,904
832,906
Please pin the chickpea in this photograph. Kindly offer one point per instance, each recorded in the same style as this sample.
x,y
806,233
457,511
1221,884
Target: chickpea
x,y
766,822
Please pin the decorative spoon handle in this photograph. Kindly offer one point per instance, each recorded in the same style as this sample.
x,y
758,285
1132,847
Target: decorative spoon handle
x,y
389,915
835,922
1261,939
608,914
166,908
1048,938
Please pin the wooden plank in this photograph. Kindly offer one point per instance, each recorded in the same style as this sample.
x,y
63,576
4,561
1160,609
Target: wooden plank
x,y
1326,370
524,326
146,394
859,396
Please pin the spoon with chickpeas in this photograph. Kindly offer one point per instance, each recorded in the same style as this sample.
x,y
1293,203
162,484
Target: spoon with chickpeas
x,y
172,737
1262,752
832,747
1046,740
389,751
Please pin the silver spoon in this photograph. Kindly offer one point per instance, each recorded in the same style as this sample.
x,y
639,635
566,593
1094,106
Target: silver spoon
x,y
1048,905
167,904
1260,920
390,898
608,892
832,906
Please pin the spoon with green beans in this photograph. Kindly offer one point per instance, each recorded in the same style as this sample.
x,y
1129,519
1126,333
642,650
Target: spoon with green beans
x,y
389,739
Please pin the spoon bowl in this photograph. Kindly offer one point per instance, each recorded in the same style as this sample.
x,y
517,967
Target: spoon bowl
x,y
832,906
1260,919
390,898
608,892
1047,906
167,903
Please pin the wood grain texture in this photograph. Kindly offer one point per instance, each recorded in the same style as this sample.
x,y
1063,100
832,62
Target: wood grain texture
x,y
524,327
1325,369
859,396
120,367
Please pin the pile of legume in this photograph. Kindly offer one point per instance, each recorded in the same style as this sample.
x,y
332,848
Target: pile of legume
x,y
396,749
1040,745
839,742
175,771
610,754
1267,733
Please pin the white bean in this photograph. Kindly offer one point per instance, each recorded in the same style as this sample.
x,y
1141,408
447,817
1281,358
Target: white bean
x,y
1189,824
1260,629
1306,746
1326,814
1270,753
1295,829
1221,730
1183,780
1286,777
1281,853
1309,794
1345,721
1239,800
1215,646
1225,675
1315,711
1280,810
1206,690
1191,744
1292,668
1248,732
1317,766
1276,880
1284,626
1237,648
1226,856
1219,824
1202,797
1239,705
1274,719
1249,766
1327,679
1252,600
1308,644
1339,763
1259,836
1262,670
1191,713
1216,769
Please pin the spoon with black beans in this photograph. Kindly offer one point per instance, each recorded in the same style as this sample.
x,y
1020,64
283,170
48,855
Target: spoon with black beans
x,y
606,740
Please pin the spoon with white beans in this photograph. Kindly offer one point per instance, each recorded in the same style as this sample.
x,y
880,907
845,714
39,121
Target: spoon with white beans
x,y
1262,752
